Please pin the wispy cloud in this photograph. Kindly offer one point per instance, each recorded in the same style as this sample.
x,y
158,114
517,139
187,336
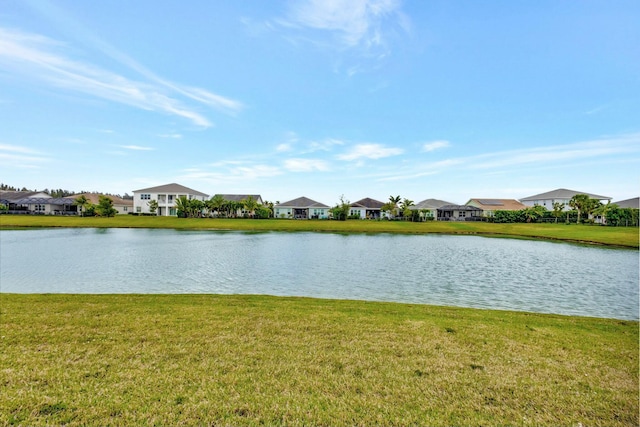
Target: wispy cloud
x,y
233,173
363,27
39,58
564,155
434,145
370,151
306,165
21,157
136,148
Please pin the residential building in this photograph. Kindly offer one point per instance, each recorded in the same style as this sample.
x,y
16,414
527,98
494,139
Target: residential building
x,y
428,208
459,213
489,206
122,206
166,196
561,195
366,208
36,202
301,208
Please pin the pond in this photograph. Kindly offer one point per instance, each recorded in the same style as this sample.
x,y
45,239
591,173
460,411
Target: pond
x,y
466,271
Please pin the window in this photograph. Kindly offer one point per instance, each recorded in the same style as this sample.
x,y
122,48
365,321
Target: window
x,y
462,214
145,197
125,209
138,209
172,211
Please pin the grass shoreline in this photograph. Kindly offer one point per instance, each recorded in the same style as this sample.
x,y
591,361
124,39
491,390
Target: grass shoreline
x,y
622,237
261,360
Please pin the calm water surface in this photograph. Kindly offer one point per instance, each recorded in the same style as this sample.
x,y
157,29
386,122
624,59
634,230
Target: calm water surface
x,y
464,271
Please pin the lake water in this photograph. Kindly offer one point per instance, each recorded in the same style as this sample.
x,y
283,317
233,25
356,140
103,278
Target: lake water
x,y
467,271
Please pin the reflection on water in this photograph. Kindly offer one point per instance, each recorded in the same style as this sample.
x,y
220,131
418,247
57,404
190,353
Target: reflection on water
x,y
429,269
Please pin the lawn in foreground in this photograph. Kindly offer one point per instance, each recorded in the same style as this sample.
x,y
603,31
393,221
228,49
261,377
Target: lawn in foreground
x,y
614,236
256,360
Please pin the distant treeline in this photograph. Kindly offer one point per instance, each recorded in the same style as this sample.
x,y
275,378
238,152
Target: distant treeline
x,y
59,192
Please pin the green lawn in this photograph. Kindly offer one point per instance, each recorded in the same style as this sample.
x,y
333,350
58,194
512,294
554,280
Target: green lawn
x,y
257,360
616,236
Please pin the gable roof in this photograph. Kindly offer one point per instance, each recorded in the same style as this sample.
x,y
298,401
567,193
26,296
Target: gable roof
x,y
171,188
459,208
429,204
368,203
239,197
94,198
497,204
562,193
12,196
629,203
302,202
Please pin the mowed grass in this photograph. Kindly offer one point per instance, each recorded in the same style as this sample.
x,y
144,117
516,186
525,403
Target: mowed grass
x,y
259,360
593,234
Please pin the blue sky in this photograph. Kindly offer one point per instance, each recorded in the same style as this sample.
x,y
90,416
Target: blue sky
x,y
362,98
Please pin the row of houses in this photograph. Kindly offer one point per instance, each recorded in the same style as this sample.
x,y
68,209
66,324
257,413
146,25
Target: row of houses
x,y
299,208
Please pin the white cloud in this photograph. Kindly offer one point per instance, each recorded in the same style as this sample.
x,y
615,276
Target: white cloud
x,y
35,57
170,135
370,151
324,145
136,148
356,22
284,147
434,145
306,165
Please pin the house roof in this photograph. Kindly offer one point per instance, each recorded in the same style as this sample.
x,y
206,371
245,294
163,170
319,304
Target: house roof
x,y
430,204
12,196
497,204
57,201
459,208
629,203
94,198
562,193
171,188
301,202
239,197
368,203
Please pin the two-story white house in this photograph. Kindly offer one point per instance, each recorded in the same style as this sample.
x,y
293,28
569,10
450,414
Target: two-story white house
x,y
166,196
561,195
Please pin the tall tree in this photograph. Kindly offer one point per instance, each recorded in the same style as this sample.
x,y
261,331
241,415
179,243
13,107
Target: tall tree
x,y
557,210
579,202
216,204
82,202
183,207
405,205
105,207
394,201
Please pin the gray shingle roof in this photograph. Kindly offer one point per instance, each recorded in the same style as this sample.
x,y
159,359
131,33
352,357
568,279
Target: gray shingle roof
x,y
629,203
239,197
302,202
171,188
562,193
430,204
368,203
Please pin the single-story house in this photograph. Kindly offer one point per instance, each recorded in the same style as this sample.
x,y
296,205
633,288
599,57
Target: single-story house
x,y
301,208
629,203
489,206
36,202
459,213
166,196
366,208
428,208
561,195
122,206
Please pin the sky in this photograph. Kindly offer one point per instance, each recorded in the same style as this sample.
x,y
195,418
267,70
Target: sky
x,y
443,99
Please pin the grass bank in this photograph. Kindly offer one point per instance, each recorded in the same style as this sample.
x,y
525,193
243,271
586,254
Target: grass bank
x,y
257,360
614,236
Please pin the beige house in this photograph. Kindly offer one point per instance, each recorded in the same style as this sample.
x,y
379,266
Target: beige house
x,y
489,206
123,206
301,208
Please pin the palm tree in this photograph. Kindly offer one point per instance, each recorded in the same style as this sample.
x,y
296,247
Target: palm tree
x,y
83,202
250,205
183,207
216,203
405,205
394,201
